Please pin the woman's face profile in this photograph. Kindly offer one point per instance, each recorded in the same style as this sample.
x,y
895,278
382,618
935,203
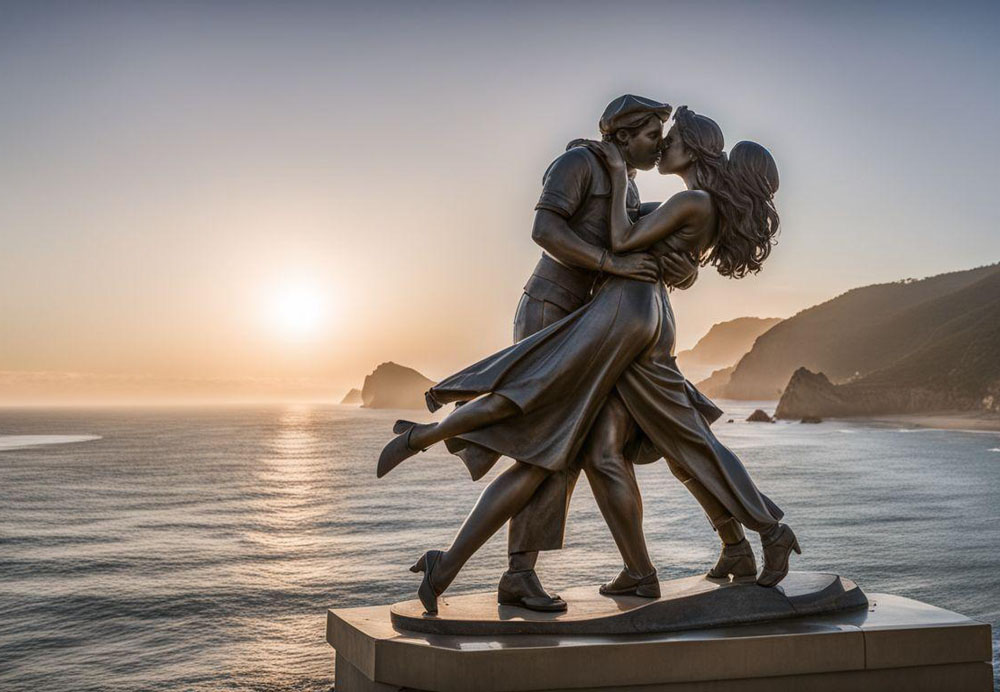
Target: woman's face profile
x,y
675,156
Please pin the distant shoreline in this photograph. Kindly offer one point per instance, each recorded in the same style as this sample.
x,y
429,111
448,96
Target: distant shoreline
x,y
974,422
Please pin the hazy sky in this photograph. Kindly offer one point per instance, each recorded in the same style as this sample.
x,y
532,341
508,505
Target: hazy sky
x,y
169,172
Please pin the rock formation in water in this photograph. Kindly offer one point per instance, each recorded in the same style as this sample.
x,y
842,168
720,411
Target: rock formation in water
x,y
723,345
394,386
352,398
759,416
881,331
809,395
960,371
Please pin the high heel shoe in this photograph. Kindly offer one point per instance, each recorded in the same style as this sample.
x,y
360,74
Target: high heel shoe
x,y
398,450
426,593
778,546
625,584
736,560
401,426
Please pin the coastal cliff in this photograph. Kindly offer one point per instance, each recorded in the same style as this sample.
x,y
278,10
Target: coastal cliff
x,y
812,395
715,384
394,386
891,336
723,345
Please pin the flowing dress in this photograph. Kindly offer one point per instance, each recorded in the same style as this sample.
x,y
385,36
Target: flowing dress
x,y
560,377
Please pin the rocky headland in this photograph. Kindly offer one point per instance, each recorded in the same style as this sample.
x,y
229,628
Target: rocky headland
x,y
352,398
394,386
723,345
759,416
952,364
928,349
906,345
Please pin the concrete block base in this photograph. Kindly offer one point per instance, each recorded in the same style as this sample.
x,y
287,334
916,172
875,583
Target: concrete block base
x,y
894,644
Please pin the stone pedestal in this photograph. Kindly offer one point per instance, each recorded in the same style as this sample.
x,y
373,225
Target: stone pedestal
x,y
888,643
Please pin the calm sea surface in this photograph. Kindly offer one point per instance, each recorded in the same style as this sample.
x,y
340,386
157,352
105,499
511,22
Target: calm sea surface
x,y
199,548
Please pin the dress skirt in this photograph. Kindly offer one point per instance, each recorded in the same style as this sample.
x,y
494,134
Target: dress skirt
x,y
560,377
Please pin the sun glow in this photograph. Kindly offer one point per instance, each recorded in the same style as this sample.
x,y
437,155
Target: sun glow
x,y
299,310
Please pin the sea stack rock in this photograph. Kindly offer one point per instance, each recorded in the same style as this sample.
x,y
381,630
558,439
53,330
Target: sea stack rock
x,y
352,398
809,395
394,386
759,416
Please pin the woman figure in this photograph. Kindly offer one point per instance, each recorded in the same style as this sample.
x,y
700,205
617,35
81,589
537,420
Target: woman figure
x,y
745,187
537,400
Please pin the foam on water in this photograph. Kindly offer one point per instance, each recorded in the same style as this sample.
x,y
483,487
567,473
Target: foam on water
x,y
199,548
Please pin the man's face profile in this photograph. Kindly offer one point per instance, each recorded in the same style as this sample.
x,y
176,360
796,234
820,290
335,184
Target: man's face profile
x,y
641,147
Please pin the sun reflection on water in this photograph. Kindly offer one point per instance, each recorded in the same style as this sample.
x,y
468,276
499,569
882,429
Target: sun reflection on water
x,y
288,476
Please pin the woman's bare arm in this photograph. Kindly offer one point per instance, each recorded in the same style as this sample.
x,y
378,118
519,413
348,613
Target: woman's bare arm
x,y
677,212
681,210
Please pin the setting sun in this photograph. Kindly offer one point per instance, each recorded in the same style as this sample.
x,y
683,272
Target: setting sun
x,y
298,311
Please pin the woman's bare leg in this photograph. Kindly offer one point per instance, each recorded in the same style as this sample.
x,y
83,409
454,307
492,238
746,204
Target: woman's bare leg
x,y
478,413
612,480
502,499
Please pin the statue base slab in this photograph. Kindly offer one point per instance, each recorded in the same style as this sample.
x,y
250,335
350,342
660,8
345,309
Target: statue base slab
x,y
684,604
893,643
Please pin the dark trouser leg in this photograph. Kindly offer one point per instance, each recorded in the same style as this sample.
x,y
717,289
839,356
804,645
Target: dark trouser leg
x,y
736,558
501,499
612,480
521,561
540,524
730,530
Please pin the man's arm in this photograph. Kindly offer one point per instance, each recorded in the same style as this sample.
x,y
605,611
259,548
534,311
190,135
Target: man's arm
x,y
565,187
554,235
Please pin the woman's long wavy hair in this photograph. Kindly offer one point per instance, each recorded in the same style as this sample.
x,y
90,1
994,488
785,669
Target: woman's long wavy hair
x,y
755,173
745,233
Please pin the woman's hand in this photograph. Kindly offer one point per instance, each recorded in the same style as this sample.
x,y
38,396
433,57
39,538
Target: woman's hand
x,y
609,153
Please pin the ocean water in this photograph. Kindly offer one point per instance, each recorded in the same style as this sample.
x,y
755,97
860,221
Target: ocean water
x,y
199,548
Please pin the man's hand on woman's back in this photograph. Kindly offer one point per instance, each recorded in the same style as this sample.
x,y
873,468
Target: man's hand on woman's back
x,y
680,270
635,265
